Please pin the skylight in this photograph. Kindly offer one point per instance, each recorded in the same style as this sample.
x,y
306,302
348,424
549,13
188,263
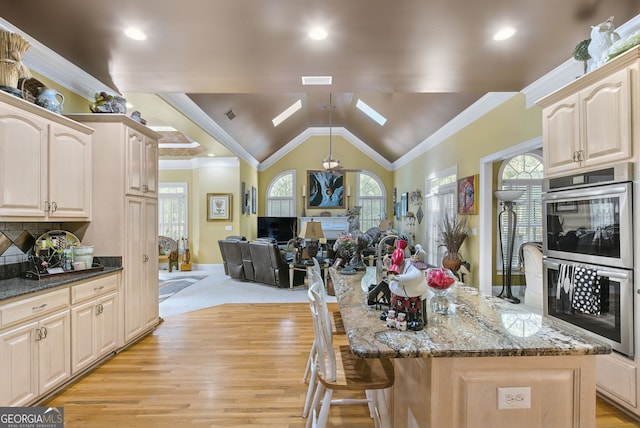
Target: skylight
x,y
288,112
317,80
366,109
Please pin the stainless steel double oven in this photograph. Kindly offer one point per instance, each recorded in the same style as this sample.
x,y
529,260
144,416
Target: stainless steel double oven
x,y
588,249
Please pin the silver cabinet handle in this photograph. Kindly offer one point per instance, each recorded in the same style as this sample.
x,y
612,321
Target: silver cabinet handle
x,y
97,289
47,206
54,206
39,308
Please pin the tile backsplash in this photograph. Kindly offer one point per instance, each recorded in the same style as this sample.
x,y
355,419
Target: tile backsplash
x,y
15,232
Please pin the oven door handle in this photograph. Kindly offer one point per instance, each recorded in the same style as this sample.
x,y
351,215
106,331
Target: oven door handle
x,y
584,193
604,273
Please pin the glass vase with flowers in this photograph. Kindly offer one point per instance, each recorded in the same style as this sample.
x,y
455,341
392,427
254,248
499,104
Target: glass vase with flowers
x,y
440,281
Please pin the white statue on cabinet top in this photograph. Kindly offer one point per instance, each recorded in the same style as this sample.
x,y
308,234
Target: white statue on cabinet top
x,y
602,37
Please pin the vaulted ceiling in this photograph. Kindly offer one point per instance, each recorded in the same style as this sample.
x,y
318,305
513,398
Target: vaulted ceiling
x,y
417,62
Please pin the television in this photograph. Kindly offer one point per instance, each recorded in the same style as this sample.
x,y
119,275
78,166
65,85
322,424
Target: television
x,y
282,229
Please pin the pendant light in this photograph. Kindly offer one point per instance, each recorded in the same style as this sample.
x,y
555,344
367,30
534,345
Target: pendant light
x,y
329,163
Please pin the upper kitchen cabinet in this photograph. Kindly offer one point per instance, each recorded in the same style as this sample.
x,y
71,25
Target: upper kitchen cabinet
x,y
45,164
142,164
589,122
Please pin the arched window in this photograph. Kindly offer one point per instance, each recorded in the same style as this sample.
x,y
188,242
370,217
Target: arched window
x,y
523,172
281,198
372,198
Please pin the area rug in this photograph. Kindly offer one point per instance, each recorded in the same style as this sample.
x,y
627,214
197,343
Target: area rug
x,y
169,287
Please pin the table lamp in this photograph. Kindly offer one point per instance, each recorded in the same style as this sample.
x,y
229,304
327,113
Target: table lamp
x,y
311,232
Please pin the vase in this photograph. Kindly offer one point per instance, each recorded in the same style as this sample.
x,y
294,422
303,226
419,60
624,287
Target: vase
x,y
50,99
451,261
440,281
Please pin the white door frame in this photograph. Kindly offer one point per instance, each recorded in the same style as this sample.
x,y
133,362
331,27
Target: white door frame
x,y
487,229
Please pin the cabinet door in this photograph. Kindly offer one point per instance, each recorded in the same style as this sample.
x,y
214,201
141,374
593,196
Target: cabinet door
x,y
605,110
69,173
19,365
106,324
150,184
134,163
83,337
134,274
150,266
560,130
54,356
23,163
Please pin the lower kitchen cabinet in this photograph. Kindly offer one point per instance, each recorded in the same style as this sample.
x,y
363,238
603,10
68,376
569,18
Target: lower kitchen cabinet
x,y
93,321
36,358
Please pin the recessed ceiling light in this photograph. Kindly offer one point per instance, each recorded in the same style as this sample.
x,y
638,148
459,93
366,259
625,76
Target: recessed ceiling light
x,y
504,33
366,109
135,33
288,112
210,155
318,33
317,80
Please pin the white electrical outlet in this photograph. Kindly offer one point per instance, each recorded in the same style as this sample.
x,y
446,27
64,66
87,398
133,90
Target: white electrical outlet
x,y
514,397
228,228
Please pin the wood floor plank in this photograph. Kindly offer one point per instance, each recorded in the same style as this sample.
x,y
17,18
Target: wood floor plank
x,y
225,366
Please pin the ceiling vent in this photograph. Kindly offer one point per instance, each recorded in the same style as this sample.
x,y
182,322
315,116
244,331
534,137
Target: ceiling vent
x,y
230,114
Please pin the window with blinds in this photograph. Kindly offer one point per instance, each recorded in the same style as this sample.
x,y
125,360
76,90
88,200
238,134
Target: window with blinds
x,y
440,198
172,210
281,198
523,172
371,197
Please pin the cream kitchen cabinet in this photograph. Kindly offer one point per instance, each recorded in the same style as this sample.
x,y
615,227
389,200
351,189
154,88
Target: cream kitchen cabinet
x,y
125,216
142,164
94,320
589,122
35,347
45,168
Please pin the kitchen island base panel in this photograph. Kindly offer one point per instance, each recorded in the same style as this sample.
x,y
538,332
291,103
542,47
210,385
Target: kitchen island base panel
x,y
463,392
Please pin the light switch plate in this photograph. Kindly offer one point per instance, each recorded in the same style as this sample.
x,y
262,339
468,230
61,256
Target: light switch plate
x,y
228,228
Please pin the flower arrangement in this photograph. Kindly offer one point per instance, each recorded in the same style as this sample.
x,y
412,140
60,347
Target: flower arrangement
x,y
345,243
440,278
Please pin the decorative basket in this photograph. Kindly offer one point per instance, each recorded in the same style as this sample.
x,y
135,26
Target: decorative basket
x,y
12,47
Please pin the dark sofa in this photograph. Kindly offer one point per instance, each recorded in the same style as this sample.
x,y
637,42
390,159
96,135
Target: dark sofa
x,y
258,261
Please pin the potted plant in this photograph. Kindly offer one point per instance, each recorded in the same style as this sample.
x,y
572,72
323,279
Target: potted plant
x,y
453,232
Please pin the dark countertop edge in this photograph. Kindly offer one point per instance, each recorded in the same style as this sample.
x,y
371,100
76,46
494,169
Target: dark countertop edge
x,y
21,287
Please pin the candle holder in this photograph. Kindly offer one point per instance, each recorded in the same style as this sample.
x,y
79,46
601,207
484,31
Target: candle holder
x,y
304,213
348,201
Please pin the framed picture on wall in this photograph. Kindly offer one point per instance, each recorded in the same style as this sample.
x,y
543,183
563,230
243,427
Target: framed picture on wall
x,y
467,195
326,189
218,206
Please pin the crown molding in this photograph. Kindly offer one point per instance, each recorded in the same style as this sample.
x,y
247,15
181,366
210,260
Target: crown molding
x,y
325,131
472,113
191,110
196,163
55,67
569,70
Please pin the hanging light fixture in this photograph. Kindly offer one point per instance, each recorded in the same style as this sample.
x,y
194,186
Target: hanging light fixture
x,y
329,163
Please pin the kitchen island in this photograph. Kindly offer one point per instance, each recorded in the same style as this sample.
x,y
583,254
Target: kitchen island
x,y
531,372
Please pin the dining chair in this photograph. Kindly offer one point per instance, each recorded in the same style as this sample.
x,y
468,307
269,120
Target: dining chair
x,y
314,275
337,369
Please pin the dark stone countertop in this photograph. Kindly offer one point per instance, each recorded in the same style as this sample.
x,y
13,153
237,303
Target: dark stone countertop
x,y
21,286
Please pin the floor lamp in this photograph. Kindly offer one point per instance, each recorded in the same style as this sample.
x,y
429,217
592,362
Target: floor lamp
x,y
507,218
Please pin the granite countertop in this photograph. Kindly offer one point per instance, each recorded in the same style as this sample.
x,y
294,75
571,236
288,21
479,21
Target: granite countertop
x,y
476,326
21,286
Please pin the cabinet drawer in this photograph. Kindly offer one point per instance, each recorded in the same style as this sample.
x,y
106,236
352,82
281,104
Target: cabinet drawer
x,y
33,306
93,288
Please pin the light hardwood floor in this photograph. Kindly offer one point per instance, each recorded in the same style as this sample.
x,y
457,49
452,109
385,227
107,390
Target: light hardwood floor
x,y
224,366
